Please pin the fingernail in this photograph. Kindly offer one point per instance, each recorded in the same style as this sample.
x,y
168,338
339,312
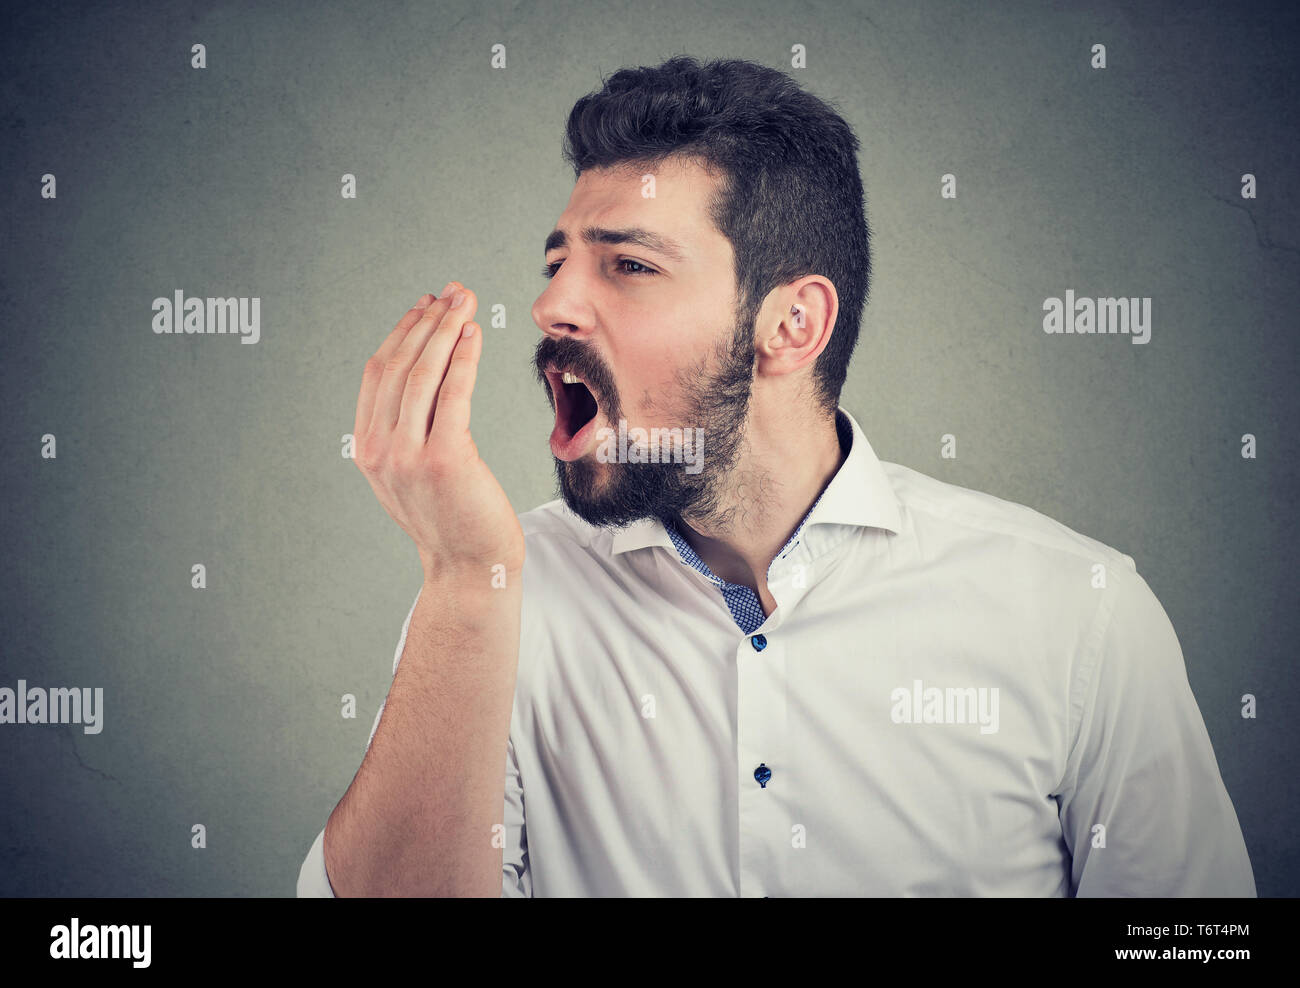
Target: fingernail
x,y
457,299
446,288
425,299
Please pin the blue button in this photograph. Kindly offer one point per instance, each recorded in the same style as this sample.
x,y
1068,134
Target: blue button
x,y
759,642
762,774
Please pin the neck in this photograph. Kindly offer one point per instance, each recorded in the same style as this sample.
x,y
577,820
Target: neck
x,y
777,478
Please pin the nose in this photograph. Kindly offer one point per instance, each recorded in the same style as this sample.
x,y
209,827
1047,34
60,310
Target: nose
x,y
545,314
557,311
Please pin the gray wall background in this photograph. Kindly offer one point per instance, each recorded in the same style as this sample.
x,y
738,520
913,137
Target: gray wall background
x,y
222,705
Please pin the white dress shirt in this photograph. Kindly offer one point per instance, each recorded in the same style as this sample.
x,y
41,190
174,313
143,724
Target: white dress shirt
x,y
954,696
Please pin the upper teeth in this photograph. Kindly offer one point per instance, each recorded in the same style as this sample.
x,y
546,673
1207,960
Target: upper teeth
x,y
569,378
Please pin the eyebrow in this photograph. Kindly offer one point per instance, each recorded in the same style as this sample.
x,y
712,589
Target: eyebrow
x,y
627,235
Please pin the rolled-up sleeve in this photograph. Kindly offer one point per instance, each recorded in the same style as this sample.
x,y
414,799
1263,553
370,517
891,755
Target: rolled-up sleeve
x,y
1144,811
313,880
516,878
516,882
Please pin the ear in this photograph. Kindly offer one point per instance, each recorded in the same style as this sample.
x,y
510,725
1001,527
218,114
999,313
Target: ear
x,y
794,325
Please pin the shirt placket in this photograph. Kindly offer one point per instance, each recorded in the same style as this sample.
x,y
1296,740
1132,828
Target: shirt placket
x,y
763,771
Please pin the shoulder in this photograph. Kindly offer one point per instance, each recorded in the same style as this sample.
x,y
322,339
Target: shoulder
x,y
566,559
552,528
939,513
1078,597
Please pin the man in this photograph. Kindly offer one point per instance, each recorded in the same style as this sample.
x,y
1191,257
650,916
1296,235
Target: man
x,y
764,662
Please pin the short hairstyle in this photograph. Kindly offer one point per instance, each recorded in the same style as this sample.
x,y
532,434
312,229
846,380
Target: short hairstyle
x,y
791,200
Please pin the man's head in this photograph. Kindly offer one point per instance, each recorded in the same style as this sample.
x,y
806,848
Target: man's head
x,y
708,273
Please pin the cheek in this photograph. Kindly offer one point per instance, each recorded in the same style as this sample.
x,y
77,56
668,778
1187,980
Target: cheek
x,y
649,386
651,360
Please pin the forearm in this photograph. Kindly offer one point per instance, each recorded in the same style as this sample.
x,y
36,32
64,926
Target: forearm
x,y
418,817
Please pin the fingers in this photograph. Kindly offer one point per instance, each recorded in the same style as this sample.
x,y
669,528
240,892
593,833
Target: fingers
x,y
388,396
426,375
375,366
451,418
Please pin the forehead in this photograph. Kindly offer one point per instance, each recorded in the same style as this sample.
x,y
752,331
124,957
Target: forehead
x,y
621,197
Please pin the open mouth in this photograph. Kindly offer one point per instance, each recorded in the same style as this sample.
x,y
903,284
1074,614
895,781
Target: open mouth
x,y
576,409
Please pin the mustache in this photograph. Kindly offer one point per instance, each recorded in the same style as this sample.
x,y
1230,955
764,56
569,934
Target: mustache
x,y
582,359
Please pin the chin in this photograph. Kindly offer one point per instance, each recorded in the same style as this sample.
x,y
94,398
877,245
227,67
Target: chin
x,y
599,496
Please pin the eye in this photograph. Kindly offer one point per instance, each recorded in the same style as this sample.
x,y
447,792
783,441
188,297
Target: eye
x,y
548,270
644,269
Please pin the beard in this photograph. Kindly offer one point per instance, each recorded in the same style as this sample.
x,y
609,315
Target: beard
x,y
612,495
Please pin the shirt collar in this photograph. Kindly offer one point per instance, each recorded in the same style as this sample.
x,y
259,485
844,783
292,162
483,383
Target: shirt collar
x,y
858,495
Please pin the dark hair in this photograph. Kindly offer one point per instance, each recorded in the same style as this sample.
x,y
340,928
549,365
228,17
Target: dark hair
x,y
791,199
